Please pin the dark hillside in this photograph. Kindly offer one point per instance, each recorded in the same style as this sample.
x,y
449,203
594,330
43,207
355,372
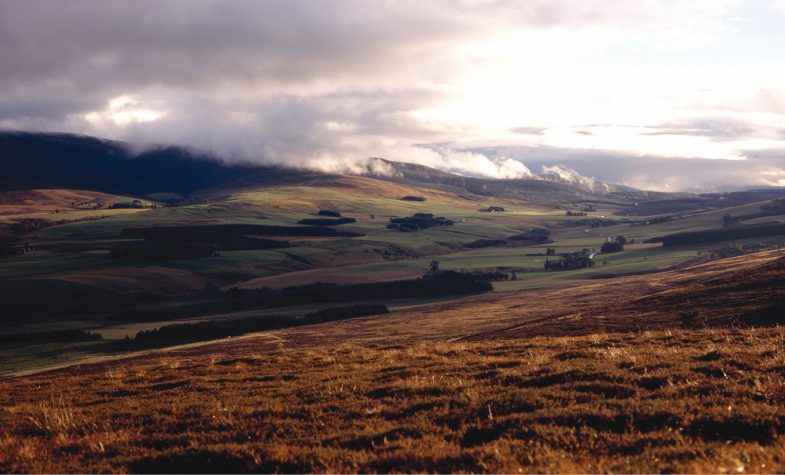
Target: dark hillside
x,y
530,189
77,162
38,160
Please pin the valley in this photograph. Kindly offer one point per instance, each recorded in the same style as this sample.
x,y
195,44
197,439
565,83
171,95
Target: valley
x,y
297,236
412,325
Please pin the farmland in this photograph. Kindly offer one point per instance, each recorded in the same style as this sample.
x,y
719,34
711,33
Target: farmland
x,y
355,323
477,236
74,258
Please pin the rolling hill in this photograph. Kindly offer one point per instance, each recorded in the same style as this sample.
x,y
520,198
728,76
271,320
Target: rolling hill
x,y
39,160
69,161
121,274
32,160
593,378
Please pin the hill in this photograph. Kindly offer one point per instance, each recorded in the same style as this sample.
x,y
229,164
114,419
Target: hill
x,y
650,358
543,190
30,160
38,160
459,387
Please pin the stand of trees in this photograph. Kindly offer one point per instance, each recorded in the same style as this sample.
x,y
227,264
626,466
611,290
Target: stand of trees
x,y
326,221
597,222
213,300
613,245
135,204
185,242
213,329
538,235
27,225
721,234
210,233
657,220
435,284
162,250
418,221
571,261
483,243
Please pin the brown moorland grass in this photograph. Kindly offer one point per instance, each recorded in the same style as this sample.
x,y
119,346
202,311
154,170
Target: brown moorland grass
x,y
43,203
44,200
719,291
708,400
592,378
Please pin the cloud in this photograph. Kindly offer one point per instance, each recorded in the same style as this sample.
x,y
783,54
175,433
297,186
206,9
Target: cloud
x,y
529,130
123,111
462,162
718,128
565,174
114,46
756,169
778,6
329,84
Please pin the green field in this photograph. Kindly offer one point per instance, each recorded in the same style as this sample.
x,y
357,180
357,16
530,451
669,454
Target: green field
x,y
76,254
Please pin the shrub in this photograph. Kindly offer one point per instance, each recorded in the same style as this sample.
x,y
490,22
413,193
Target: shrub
x,y
612,246
326,221
482,243
691,319
720,234
538,235
213,329
418,221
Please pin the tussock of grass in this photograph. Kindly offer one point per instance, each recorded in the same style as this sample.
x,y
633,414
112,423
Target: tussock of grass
x,y
712,401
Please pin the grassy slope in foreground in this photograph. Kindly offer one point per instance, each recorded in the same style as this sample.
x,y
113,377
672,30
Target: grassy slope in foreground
x,y
707,400
401,392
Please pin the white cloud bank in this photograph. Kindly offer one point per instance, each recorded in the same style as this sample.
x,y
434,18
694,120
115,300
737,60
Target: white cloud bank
x,y
444,84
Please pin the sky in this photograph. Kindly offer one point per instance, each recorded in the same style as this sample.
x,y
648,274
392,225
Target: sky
x,y
657,94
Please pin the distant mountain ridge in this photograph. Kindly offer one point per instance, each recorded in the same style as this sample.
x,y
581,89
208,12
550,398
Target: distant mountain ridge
x,y
39,160
55,160
32,160
547,188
